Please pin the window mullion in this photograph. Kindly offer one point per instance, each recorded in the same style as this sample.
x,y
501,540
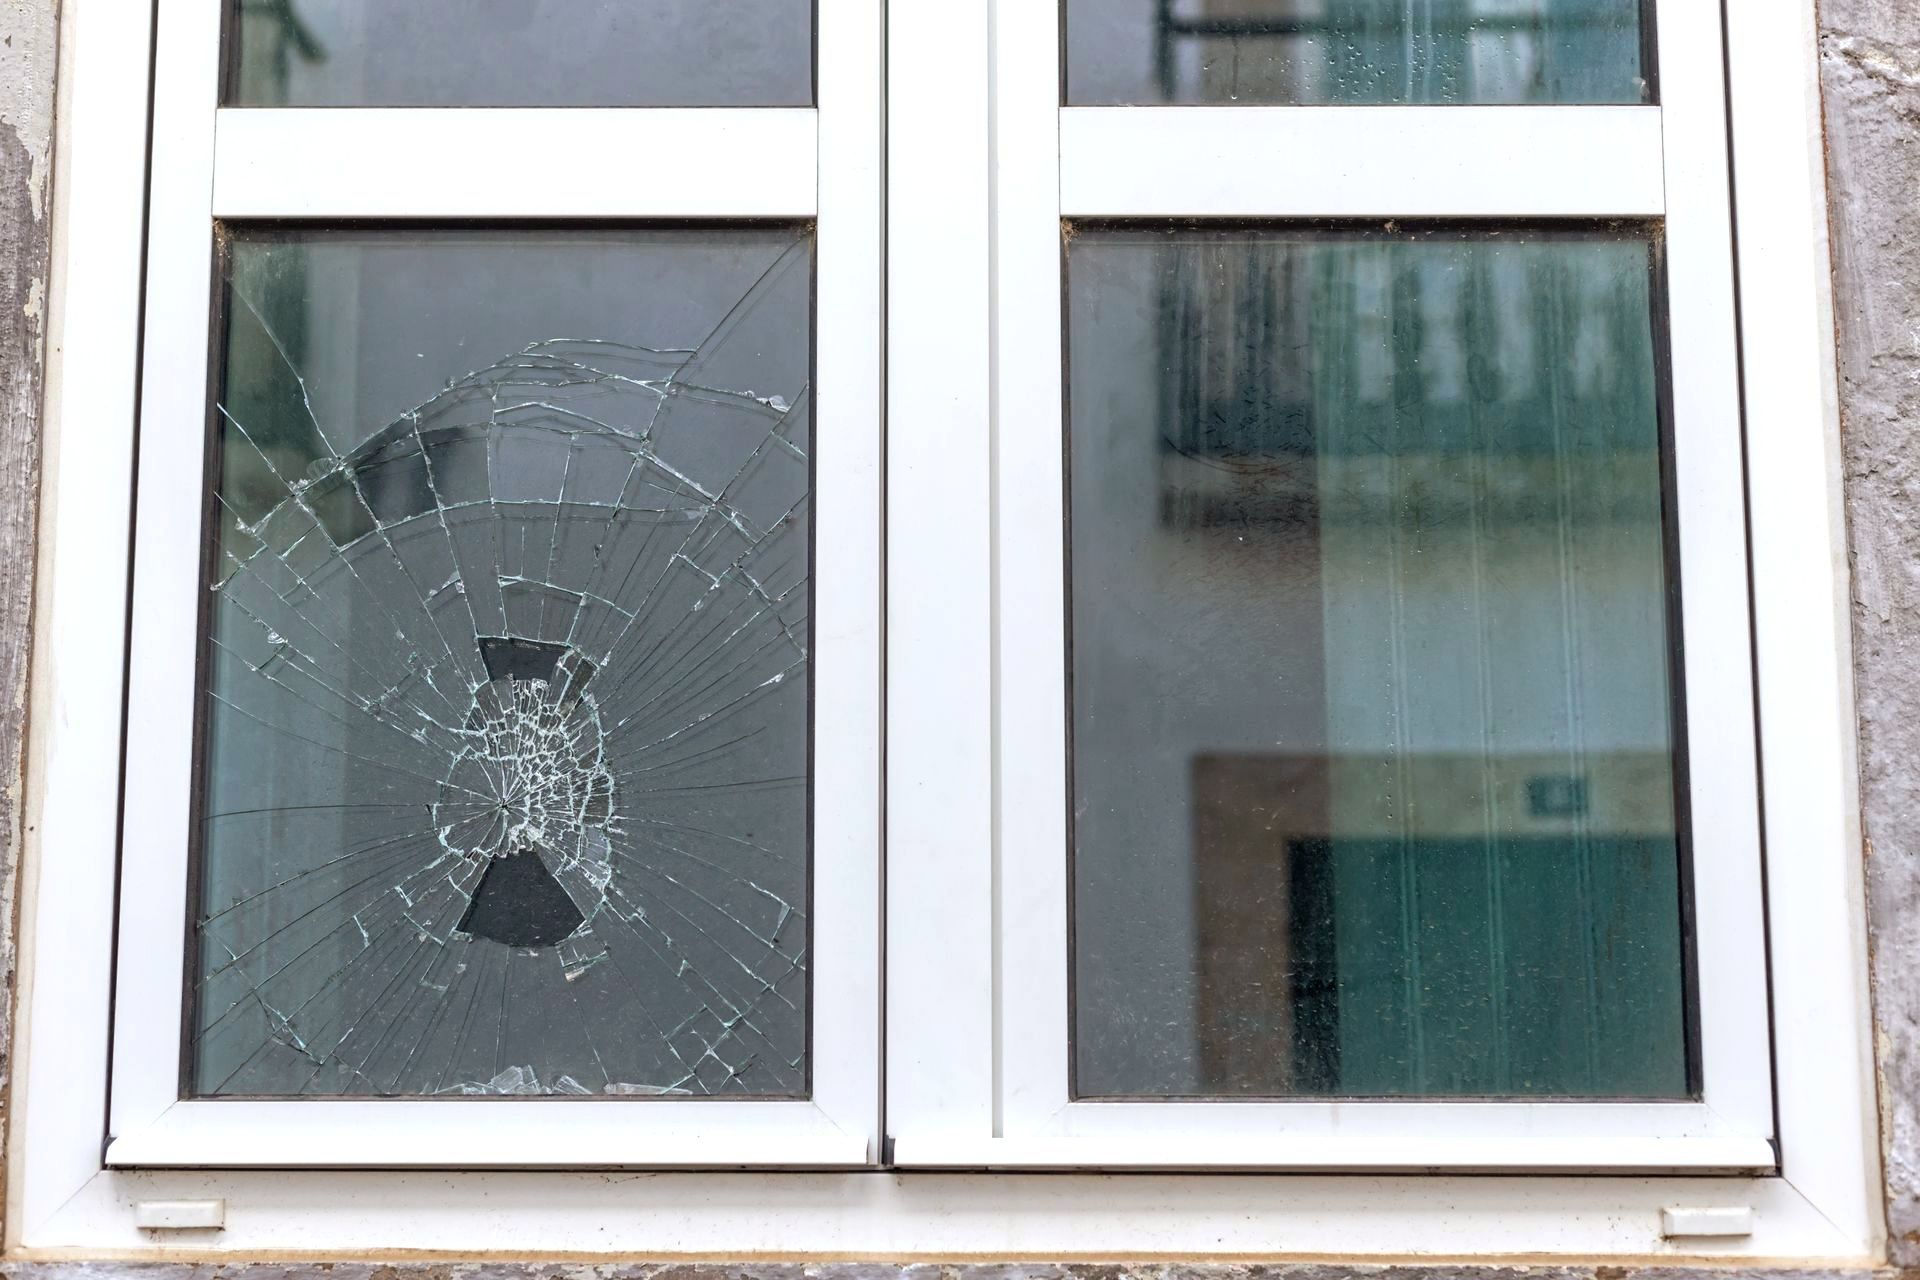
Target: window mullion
x,y
414,162
941,1036
1400,162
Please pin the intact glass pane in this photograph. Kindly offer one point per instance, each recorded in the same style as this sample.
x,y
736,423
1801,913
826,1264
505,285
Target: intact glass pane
x,y
1140,52
520,53
505,752
1373,762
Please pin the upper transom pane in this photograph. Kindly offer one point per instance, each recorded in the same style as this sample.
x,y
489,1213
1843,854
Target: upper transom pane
x,y
1296,52
520,53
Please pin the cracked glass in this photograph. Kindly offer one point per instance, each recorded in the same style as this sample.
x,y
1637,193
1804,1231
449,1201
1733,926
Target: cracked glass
x,y
504,748
1480,52
520,53
1375,765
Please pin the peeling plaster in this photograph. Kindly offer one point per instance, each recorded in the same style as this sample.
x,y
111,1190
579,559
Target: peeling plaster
x,y
886,1271
28,44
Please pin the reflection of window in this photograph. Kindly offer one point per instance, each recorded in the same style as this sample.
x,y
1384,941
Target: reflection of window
x,y
1253,385
1373,51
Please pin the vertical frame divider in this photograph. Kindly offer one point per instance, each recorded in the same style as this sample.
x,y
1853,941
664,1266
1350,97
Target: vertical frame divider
x,y
1030,558
56,1115
1718,753
940,1023
847,507
1803,626
171,477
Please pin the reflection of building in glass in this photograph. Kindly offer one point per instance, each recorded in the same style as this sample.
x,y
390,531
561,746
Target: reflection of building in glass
x,y
1393,649
272,40
505,757
1351,952
1479,51
519,53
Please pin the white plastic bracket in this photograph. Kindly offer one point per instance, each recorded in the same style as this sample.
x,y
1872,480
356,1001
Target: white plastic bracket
x,y
180,1215
1735,1221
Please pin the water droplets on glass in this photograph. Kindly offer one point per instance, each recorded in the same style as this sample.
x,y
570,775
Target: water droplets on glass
x,y
1374,764
1354,52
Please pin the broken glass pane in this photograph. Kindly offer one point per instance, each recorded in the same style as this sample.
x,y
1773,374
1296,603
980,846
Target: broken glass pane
x,y
1374,736
1139,52
520,53
505,746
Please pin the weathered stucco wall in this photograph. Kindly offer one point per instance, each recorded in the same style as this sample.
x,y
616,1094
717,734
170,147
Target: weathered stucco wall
x,y
907,1271
1871,67
27,43
1870,53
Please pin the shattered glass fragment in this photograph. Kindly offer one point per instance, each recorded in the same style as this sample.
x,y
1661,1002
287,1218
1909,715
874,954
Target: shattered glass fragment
x,y
505,695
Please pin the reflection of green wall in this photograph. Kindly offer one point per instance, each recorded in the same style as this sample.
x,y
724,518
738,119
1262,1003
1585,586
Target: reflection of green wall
x,y
1490,527
1517,343
1493,577
1512,965
1587,51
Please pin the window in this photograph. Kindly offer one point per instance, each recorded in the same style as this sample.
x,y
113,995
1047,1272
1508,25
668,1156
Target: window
x,y
1396,569
1332,596
523,748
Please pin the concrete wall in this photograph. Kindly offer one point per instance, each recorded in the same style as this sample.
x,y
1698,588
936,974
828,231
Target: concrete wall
x,y
1870,62
1871,67
27,57
866,1271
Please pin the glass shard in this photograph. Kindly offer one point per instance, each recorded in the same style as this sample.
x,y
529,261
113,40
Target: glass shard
x,y
505,746
1374,766
520,53
1140,52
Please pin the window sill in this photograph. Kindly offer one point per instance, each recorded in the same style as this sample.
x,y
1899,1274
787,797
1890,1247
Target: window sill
x,y
897,1215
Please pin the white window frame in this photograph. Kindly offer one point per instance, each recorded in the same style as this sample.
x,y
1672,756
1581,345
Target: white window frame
x,y
226,164
953,144
1664,162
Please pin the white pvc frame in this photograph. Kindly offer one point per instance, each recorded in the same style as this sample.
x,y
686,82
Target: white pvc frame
x,y
1822,1206
342,164
978,825
1422,162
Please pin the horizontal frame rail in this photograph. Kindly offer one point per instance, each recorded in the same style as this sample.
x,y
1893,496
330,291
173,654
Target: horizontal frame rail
x,y
1335,162
449,163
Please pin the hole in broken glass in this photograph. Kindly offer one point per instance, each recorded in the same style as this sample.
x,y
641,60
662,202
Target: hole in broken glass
x,y
535,655
529,798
